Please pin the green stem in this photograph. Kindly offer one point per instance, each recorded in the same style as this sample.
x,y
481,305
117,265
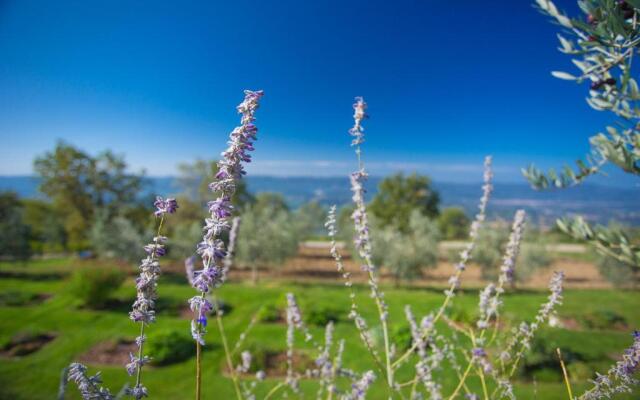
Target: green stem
x,y
462,380
273,390
198,369
227,353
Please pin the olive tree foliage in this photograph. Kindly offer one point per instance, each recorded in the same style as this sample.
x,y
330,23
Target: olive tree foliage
x,y
602,46
490,246
183,238
267,235
116,238
309,219
618,273
406,253
398,196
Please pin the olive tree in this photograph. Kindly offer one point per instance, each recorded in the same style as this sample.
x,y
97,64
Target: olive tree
x,y
406,253
602,45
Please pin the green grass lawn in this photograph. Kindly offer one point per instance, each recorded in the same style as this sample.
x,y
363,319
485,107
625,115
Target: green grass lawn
x,y
36,376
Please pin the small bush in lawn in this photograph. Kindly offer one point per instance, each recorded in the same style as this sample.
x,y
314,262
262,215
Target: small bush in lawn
x,y
322,315
94,285
170,346
269,313
462,315
580,371
603,319
401,337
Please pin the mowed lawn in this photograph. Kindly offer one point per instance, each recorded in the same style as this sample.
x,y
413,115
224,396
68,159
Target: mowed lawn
x,y
36,376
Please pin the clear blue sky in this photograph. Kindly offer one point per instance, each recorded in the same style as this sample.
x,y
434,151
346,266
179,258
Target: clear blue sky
x,y
446,83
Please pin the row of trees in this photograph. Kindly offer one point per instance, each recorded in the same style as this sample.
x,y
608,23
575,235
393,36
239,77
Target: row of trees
x,y
94,204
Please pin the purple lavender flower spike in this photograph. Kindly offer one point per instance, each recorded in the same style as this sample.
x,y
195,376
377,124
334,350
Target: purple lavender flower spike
x,y
620,377
89,386
146,286
230,169
165,206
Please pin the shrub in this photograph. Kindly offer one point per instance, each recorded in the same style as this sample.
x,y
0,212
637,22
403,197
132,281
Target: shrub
x,y
269,313
401,336
322,315
399,196
170,346
94,285
602,319
453,223
266,237
618,273
184,236
310,220
405,253
488,250
116,238
532,258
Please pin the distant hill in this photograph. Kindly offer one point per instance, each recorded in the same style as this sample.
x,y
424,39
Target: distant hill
x,y
598,203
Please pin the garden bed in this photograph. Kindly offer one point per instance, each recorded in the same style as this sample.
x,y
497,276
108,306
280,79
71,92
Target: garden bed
x,y
26,343
111,352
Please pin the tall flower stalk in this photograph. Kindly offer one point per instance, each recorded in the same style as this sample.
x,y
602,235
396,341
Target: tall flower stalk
x,y
465,256
143,310
362,240
212,249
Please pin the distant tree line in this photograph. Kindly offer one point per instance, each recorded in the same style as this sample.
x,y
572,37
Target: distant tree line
x,y
94,204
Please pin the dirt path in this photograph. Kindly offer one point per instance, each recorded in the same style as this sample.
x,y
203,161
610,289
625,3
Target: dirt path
x,y
314,264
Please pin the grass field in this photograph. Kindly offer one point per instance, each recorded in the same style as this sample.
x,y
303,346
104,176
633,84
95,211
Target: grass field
x,y
36,375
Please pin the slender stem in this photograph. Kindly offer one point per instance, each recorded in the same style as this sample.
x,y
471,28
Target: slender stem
x,y
227,353
484,384
273,390
564,372
139,372
385,329
462,380
198,369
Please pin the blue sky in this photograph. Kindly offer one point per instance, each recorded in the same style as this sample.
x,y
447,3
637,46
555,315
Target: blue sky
x,y
446,82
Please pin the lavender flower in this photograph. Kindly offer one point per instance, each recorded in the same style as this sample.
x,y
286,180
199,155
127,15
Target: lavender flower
x,y
89,386
490,301
136,363
465,254
525,333
165,206
488,308
362,240
245,364
512,250
481,358
143,309
230,169
359,388
620,378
